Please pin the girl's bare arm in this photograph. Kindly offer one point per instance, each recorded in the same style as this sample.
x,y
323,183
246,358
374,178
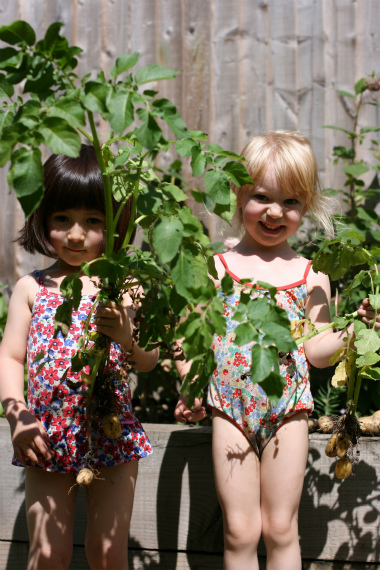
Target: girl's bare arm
x,y
28,435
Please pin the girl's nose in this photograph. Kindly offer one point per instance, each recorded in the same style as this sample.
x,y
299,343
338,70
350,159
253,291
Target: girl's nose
x,y
274,210
76,232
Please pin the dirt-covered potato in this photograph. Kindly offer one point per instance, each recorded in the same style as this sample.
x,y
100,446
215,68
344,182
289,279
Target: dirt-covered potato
x,y
343,468
342,446
331,445
85,477
325,424
370,425
312,424
112,426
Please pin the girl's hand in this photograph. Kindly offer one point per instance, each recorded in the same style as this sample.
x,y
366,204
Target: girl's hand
x,y
30,439
368,314
114,321
184,414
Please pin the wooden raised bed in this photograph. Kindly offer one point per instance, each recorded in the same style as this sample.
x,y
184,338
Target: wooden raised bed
x,y
177,523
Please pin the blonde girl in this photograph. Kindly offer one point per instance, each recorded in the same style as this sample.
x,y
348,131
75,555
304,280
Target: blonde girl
x,y
260,450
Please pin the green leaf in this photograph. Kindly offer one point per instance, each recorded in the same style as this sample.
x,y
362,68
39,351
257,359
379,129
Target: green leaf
x,y
369,130
245,333
281,336
218,186
174,192
6,88
374,301
10,58
60,137
227,284
226,212
370,373
237,173
70,110
31,202
198,161
167,237
154,72
71,288
356,169
264,362
368,359
273,386
217,149
345,93
367,340
123,63
149,133
96,96
121,111
26,172
62,320
18,32
182,273
184,147
170,114
360,85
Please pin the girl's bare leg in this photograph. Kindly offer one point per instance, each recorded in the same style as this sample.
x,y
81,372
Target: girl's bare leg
x,y
50,512
237,480
283,465
109,511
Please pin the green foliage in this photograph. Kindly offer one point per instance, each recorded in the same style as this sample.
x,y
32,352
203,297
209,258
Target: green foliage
x,y
56,109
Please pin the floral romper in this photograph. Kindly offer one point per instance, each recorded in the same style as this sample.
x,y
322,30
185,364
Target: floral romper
x,y
245,402
60,409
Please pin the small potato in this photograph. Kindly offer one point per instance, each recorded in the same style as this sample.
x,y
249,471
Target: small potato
x,y
376,416
312,424
369,425
343,468
331,445
325,424
85,477
342,447
112,426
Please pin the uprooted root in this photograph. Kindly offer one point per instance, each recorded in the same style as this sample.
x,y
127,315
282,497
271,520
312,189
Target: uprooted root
x,y
343,443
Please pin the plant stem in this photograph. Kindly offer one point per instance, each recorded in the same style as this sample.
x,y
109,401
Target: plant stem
x,y
132,223
107,188
315,332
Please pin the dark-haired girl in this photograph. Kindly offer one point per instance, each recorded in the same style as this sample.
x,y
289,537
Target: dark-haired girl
x,y
49,434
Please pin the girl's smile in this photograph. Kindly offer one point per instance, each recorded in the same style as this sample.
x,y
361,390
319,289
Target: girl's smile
x,y
77,235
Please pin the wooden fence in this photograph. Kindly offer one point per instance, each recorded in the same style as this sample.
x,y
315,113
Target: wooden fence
x,y
177,522
247,66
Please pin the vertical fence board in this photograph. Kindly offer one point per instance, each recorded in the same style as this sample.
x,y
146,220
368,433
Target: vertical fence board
x,y
247,66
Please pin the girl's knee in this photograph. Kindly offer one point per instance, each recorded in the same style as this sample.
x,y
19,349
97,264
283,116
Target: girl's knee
x,y
46,558
280,530
241,533
107,554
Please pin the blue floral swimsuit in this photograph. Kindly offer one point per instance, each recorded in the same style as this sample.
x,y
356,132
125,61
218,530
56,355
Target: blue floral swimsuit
x,y
61,409
234,393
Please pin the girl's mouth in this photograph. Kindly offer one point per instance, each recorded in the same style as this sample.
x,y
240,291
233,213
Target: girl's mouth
x,y
271,229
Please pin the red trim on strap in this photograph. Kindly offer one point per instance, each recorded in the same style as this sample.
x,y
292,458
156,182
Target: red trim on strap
x,y
282,288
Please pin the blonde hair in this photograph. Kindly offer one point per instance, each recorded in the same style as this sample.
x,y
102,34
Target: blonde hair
x,y
293,160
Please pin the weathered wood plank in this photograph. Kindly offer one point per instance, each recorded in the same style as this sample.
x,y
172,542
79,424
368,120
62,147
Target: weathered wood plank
x,y
176,508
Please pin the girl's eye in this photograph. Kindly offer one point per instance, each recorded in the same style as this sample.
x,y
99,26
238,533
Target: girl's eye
x,y
94,221
61,219
261,197
291,201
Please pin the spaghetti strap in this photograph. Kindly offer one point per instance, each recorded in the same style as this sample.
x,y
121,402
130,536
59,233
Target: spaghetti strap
x,y
221,257
308,267
39,278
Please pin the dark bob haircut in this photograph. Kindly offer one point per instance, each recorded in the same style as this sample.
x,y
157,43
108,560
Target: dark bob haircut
x,y
70,183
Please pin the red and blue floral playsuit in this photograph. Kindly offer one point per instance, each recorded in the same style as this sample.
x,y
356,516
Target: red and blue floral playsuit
x,y
60,409
234,393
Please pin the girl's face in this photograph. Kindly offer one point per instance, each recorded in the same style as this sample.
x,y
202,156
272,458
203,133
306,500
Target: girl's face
x,y
270,215
77,235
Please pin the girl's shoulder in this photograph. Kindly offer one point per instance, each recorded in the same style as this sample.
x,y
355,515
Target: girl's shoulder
x,y
317,281
26,289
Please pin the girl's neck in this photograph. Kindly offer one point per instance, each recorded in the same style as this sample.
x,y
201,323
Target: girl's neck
x,y
248,247
55,274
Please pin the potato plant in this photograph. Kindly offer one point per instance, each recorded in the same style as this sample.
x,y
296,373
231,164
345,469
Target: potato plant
x,y
56,108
